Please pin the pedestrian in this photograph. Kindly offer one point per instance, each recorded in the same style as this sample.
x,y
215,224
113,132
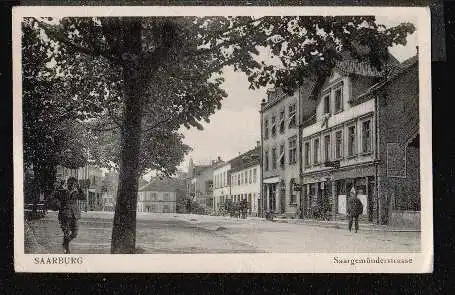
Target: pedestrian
x,y
355,208
69,211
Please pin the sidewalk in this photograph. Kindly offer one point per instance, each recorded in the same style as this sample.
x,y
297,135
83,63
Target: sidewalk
x,y
337,224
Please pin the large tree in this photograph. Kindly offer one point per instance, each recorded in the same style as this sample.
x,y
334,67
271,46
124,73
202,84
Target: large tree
x,y
168,71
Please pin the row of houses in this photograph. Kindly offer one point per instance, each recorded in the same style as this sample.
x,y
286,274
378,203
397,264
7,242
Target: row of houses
x,y
357,128
235,180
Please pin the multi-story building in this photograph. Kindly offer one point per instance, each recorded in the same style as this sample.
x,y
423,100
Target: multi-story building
x,y
245,179
396,101
340,142
159,196
280,150
200,183
221,184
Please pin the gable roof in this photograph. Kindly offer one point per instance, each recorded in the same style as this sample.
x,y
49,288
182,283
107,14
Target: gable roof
x,y
351,66
163,185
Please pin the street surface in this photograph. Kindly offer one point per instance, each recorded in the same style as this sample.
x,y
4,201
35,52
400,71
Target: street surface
x,y
187,233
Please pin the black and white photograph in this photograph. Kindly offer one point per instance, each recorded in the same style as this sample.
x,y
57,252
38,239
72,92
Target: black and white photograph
x,y
192,139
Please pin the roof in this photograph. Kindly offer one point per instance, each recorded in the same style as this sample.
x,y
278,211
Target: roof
x,y
163,185
351,66
247,159
395,72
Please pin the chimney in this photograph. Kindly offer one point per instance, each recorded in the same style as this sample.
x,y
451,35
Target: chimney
x,y
258,143
219,159
417,49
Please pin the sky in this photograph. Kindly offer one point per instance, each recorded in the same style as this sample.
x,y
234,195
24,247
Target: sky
x,y
236,127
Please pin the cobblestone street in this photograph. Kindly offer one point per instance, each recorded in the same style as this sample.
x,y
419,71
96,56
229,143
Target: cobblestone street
x,y
179,233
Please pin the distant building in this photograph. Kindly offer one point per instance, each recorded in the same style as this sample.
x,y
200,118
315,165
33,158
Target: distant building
x,y
159,196
109,195
90,180
221,184
200,183
245,178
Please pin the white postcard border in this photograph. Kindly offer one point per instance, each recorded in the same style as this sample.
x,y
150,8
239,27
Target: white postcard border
x,y
272,262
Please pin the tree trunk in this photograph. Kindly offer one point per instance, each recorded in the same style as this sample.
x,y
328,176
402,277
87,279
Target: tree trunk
x,y
124,227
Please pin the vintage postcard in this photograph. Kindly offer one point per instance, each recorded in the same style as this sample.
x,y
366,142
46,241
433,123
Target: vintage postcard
x,y
222,139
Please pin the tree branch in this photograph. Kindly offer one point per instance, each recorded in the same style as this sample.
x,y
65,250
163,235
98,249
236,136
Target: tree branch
x,y
60,37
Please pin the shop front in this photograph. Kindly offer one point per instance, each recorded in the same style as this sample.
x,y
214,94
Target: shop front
x,y
325,193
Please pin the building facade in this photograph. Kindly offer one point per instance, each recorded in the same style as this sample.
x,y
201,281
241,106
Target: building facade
x,y
280,151
200,184
399,146
245,178
364,134
159,196
221,184
338,150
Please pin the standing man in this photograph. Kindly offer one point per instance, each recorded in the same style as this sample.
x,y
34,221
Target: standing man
x,y
355,208
69,211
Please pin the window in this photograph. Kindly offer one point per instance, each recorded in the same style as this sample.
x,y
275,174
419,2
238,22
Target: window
x,y
273,126
274,158
326,100
351,141
282,121
292,193
250,176
339,144
266,129
366,136
152,208
254,175
232,179
292,150
282,156
327,147
166,197
266,160
338,100
292,111
307,154
316,151
238,179
154,197
224,178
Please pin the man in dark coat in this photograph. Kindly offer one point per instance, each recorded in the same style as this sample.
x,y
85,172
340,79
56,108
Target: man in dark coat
x,y
355,208
69,212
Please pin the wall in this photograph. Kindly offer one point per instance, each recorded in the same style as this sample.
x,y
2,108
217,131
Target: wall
x,y
398,124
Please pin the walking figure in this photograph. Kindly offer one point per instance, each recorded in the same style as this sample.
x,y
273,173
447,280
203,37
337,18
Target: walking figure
x,y
355,208
69,212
